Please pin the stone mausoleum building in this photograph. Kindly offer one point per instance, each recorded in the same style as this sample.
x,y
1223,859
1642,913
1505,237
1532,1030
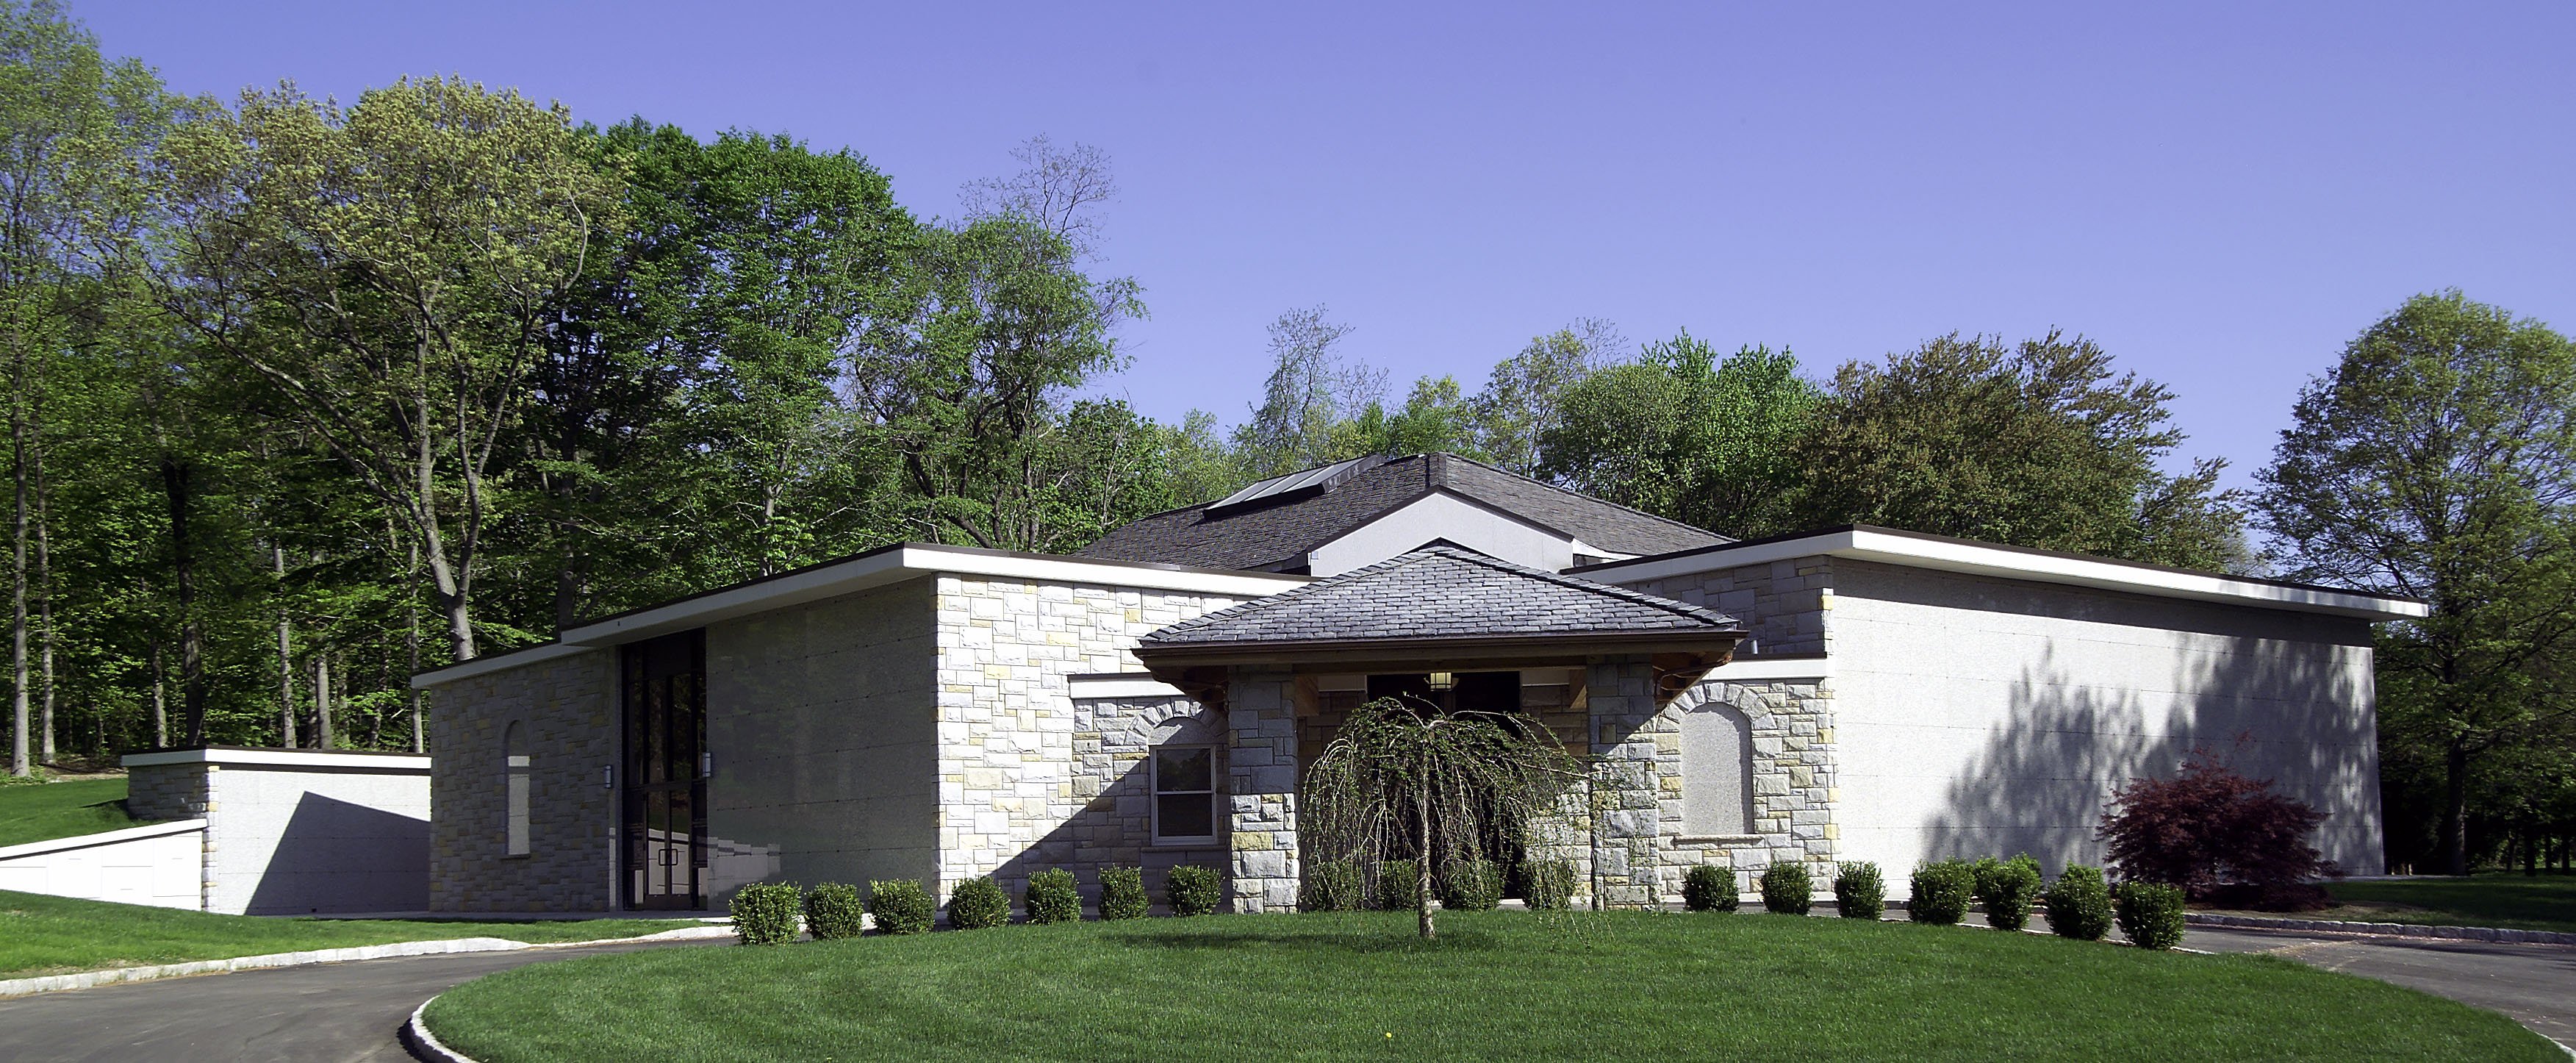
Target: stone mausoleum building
x,y
940,713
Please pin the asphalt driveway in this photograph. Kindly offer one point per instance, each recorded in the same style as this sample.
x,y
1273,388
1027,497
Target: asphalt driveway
x,y
2536,984
322,1014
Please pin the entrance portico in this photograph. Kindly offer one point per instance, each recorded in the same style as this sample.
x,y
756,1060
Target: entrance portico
x,y
1594,663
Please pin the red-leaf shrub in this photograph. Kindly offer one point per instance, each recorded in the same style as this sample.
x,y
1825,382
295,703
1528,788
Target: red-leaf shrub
x,y
2210,828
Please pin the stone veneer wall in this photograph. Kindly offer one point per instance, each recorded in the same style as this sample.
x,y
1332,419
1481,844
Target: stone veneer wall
x,y
1787,604
1261,788
1027,774
566,704
1795,789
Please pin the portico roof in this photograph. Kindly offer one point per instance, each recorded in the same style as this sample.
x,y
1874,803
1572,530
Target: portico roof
x,y
1443,604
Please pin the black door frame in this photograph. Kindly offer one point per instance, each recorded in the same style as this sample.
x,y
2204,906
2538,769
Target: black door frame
x,y
662,779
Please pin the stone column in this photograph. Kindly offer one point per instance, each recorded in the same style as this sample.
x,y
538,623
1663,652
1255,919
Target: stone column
x,y
1261,790
1627,783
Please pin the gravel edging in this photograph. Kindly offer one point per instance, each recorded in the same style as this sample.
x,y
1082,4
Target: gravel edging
x,y
2498,935
425,1045
19,987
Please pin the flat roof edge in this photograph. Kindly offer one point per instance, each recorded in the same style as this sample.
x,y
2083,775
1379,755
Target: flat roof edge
x,y
881,567
1919,550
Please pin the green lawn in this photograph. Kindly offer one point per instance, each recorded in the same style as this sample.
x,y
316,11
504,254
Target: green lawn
x,y
1611,986
35,812
2495,898
52,935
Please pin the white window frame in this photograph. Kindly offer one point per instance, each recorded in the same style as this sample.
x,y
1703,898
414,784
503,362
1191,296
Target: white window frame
x,y
1216,813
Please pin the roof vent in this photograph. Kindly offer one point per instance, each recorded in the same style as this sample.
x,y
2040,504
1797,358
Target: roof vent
x,y
1302,484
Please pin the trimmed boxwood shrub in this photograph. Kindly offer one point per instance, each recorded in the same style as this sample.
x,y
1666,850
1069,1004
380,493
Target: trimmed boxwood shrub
x,y
2079,904
764,913
1708,889
1551,885
899,906
1122,893
1052,897
1332,886
2150,913
1943,890
1472,886
1194,890
1399,885
2007,889
1787,888
833,910
1859,891
978,903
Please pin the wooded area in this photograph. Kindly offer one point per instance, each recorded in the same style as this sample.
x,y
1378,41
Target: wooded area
x,y
308,397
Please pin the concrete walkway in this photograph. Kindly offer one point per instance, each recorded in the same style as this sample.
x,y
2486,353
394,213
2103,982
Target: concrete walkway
x,y
327,1014
2536,984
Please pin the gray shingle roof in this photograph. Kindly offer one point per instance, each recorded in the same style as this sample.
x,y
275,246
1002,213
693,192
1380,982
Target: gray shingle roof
x,y
1280,535
1441,591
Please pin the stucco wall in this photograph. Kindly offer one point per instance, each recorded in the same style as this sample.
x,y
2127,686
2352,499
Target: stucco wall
x,y
821,725
1442,516
1984,716
1028,778
568,704
290,840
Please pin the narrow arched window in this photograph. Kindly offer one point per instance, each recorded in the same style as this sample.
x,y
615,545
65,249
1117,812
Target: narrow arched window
x,y
514,748
1717,771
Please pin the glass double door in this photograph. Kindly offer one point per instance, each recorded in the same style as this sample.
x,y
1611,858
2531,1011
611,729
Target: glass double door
x,y
663,822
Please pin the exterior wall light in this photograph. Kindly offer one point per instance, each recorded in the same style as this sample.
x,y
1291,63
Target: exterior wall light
x,y
1443,680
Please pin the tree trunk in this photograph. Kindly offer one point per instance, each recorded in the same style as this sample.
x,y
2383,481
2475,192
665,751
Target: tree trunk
x,y
1422,849
18,587
44,594
321,700
2531,848
160,702
285,654
175,481
411,642
2455,811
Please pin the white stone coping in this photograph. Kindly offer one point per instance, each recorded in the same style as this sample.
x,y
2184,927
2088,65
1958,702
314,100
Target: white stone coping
x,y
18,987
105,837
1988,559
1120,685
1758,669
876,568
284,758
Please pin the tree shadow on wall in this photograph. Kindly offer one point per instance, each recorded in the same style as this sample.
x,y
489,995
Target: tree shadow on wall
x,y
2040,782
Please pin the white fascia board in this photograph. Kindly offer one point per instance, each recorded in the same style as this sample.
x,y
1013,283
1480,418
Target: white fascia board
x,y
1977,559
105,837
281,758
881,568
501,662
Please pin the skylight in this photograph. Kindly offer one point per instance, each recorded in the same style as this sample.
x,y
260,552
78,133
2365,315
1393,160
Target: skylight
x,y
1308,481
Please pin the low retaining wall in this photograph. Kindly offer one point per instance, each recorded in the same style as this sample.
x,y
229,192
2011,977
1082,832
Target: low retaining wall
x,y
156,864
2406,930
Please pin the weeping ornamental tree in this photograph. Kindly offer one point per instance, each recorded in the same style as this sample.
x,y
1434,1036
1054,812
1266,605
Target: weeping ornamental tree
x,y
1405,777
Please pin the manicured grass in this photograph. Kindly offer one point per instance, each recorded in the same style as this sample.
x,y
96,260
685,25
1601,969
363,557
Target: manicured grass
x,y
36,812
1518,985
2496,898
52,935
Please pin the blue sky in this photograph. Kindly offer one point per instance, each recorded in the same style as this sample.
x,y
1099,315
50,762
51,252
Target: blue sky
x,y
2222,194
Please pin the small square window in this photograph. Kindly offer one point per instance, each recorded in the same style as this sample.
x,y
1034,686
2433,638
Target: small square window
x,y
1185,793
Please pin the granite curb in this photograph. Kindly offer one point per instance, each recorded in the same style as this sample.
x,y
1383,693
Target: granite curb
x,y
2495,935
19,987
425,1045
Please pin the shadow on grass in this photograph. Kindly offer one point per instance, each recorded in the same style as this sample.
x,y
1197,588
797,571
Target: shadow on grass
x,y
1292,940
